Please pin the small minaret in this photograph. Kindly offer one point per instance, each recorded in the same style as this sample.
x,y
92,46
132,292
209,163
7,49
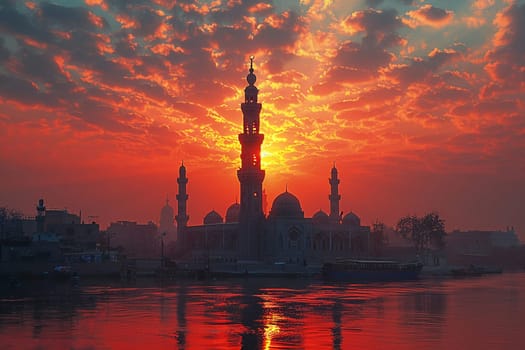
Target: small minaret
x,y
182,197
40,216
334,196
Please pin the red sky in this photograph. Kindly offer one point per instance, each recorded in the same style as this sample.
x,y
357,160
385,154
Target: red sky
x,y
419,103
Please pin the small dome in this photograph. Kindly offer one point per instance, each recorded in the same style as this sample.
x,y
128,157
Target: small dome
x,y
167,210
320,217
351,219
251,78
286,205
212,218
232,214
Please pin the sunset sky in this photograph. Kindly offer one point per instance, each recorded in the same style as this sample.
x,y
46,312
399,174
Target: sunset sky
x,y
419,103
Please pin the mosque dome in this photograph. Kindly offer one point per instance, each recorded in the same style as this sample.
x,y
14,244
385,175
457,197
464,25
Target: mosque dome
x,y
286,205
232,214
351,219
212,218
166,211
320,217
167,218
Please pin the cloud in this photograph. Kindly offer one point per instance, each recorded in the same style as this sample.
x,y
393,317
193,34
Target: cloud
x,y
420,69
70,17
4,52
360,61
430,16
505,62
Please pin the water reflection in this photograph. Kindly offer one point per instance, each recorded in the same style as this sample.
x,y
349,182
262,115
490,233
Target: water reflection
x,y
181,316
337,334
262,314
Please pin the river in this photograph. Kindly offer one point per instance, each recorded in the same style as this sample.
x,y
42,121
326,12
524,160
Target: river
x,y
469,313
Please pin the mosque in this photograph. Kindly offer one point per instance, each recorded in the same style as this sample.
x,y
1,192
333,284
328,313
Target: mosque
x,y
246,233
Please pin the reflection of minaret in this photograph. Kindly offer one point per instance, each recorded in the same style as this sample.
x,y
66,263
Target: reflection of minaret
x,y
250,174
181,316
337,335
334,196
182,217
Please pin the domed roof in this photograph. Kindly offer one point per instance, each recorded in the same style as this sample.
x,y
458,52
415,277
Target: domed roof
x,y
166,210
320,217
351,219
166,213
232,214
286,205
212,218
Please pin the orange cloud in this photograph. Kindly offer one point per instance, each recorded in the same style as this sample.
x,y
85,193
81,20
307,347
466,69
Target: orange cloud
x,y
430,16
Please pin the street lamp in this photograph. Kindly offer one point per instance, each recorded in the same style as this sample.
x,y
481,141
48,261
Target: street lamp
x,y
162,249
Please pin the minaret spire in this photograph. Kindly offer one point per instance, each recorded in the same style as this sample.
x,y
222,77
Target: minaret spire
x,y
334,196
250,174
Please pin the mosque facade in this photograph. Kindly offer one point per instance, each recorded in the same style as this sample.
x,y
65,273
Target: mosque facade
x,y
285,234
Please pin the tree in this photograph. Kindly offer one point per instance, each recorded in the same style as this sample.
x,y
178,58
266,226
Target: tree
x,y
9,221
425,232
378,237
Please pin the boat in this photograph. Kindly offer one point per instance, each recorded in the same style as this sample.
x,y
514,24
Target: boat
x,y
474,270
351,270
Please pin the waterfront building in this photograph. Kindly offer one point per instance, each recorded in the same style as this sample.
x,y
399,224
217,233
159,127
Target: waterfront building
x,y
478,242
48,235
133,239
285,234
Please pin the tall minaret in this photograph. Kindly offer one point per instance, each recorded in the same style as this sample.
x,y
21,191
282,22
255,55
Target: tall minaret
x,y
250,174
182,197
334,196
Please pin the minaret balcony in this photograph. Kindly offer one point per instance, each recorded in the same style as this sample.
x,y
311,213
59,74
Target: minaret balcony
x,y
251,138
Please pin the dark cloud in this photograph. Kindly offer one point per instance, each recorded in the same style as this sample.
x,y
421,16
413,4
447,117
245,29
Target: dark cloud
x,y
442,96
360,61
285,34
370,97
362,57
24,91
38,66
4,52
15,23
148,21
374,3
69,17
420,69
125,45
104,116
231,14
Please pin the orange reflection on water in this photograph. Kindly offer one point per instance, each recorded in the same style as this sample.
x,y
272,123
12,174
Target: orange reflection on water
x,y
271,327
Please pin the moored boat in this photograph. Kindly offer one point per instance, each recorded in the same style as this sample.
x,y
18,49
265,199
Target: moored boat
x,y
351,270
